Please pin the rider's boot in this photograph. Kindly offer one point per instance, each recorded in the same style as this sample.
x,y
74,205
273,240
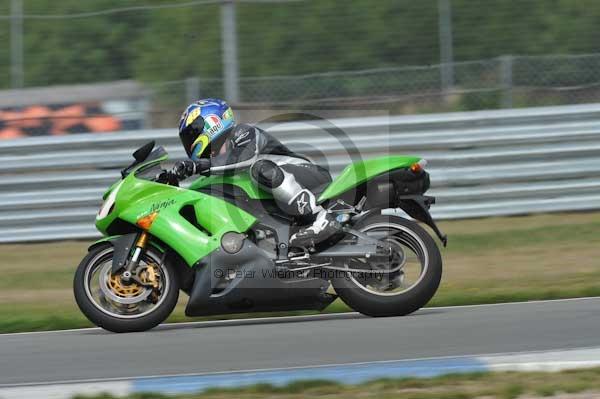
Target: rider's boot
x,y
322,228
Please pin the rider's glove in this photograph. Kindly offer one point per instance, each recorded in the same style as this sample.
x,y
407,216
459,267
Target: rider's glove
x,y
184,169
202,166
187,168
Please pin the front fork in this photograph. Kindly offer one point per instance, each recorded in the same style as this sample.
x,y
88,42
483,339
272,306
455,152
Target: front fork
x,y
140,245
122,250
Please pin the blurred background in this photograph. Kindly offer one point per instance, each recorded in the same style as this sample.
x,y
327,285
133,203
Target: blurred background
x,y
502,96
134,64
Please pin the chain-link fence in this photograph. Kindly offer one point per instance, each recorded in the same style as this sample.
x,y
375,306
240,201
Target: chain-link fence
x,y
503,82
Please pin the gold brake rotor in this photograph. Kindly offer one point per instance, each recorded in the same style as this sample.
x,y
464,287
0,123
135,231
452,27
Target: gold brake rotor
x,y
148,276
122,290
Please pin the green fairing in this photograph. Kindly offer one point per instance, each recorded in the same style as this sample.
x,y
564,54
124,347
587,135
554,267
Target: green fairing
x,y
241,180
137,198
359,172
107,192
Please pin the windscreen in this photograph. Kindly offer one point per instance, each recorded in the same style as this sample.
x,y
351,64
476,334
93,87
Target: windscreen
x,y
150,168
157,153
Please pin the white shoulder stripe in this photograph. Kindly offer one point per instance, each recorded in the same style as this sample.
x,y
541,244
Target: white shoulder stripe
x,y
283,159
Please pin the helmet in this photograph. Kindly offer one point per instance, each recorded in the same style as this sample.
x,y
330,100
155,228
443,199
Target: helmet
x,y
202,123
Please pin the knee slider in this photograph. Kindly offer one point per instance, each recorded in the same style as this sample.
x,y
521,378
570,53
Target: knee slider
x,y
267,173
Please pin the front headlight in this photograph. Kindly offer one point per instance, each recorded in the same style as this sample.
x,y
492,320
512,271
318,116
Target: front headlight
x,y
109,203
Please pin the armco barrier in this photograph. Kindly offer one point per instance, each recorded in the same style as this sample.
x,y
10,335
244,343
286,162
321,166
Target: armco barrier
x,y
484,163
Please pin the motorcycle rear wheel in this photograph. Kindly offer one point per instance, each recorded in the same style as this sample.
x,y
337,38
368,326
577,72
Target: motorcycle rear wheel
x,y
116,307
364,296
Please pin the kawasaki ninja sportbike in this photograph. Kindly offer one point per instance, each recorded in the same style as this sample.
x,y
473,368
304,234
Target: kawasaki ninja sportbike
x,y
224,242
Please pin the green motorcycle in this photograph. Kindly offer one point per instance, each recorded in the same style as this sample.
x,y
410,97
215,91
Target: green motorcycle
x,y
224,242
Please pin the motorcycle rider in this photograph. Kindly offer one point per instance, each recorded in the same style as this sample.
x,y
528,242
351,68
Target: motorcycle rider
x,y
215,144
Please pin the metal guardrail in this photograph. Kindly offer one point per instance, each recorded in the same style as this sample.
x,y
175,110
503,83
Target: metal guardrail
x,y
484,163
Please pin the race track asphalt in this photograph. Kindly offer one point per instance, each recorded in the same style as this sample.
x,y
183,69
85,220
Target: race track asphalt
x,y
203,347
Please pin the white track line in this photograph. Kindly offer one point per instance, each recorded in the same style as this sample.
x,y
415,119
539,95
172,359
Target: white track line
x,y
325,316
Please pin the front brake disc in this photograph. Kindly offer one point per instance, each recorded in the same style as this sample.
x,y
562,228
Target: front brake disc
x,y
107,285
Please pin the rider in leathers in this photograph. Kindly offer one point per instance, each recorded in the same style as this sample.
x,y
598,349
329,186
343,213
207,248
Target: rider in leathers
x,y
215,144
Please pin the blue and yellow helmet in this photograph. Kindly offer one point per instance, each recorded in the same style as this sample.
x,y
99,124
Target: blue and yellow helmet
x,y
202,123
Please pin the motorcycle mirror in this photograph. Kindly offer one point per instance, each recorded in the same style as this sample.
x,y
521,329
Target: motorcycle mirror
x,y
142,153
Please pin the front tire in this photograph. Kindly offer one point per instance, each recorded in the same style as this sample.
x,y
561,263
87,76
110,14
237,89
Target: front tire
x,y
137,312
368,301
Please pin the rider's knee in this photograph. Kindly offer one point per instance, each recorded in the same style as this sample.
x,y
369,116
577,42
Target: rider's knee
x,y
266,173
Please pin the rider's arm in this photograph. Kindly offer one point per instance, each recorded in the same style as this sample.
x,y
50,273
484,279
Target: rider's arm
x,y
242,150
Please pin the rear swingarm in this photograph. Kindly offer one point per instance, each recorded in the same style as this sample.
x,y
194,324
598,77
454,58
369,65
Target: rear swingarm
x,y
367,245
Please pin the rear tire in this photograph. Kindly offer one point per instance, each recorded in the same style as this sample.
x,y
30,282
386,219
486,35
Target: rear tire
x,y
91,308
371,304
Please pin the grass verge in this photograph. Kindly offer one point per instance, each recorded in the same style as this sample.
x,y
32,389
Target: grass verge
x,y
466,386
487,261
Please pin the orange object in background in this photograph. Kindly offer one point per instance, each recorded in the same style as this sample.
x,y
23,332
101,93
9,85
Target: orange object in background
x,y
39,120
104,123
34,116
10,133
66,118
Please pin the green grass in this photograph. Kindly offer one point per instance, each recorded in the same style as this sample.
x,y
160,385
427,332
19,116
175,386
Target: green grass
x,y
508,385
487,261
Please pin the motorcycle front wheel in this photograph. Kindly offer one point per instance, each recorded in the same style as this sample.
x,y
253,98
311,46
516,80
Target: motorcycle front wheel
x,y
399,284
109,302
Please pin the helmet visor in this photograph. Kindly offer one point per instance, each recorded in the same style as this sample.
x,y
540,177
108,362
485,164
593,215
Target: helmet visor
x,y
189,134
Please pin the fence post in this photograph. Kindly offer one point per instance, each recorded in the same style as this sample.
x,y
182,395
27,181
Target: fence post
x,y
192,89
16,44
446,51
506,78
230,57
